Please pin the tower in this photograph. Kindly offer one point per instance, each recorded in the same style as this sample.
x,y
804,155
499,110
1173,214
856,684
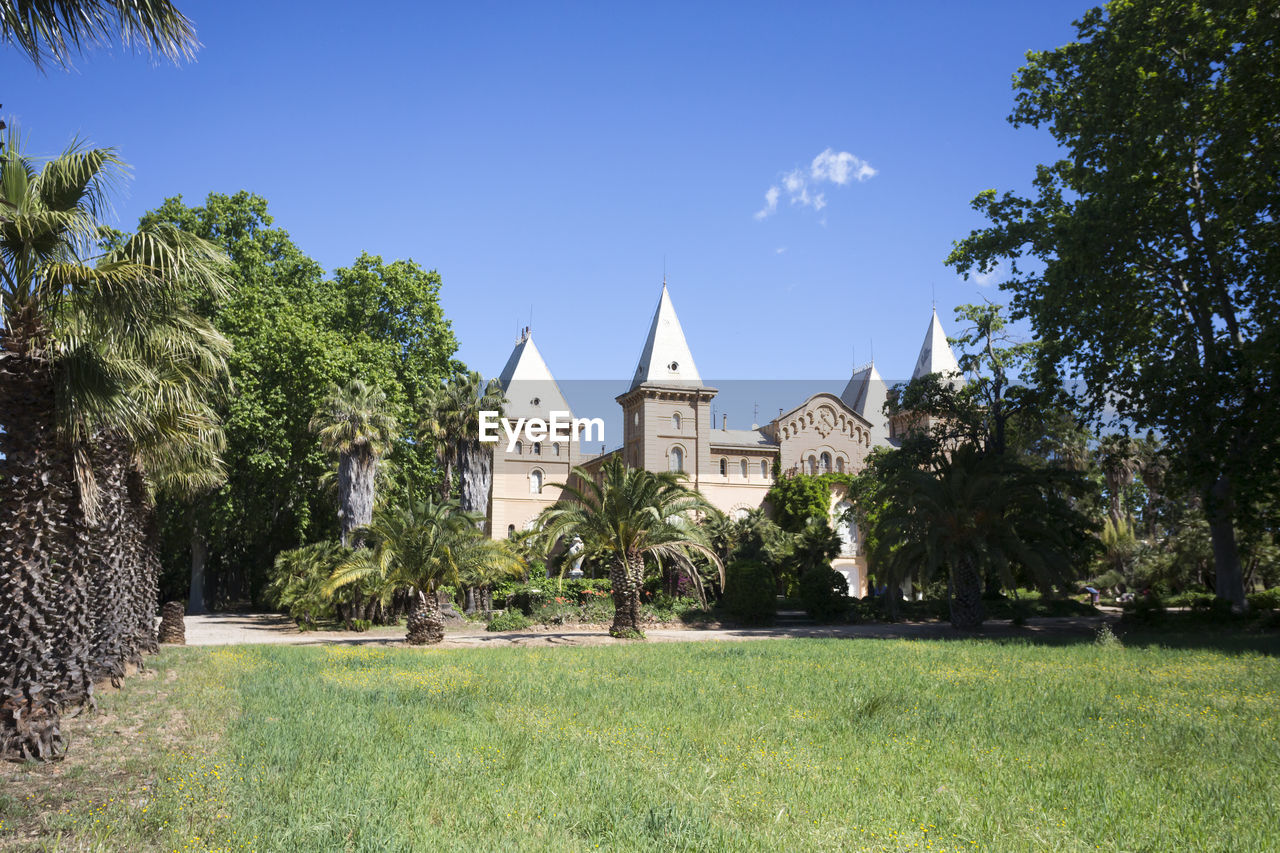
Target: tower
x,y
667,410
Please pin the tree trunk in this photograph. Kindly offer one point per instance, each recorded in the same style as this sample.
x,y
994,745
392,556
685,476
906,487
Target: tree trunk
x,y
143,543
966,595
424,623
469,600
199,558
112,577
45,622
476,474
1228,574
627,577
357,475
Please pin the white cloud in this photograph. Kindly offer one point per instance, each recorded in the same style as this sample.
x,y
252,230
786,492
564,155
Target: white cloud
x,y
780,250
834,167
770,203
840,168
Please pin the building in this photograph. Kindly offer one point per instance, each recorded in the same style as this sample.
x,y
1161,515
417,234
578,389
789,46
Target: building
x,y
667,426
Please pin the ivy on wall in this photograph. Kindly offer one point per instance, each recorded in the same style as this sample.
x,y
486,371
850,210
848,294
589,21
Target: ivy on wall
x,y
796,498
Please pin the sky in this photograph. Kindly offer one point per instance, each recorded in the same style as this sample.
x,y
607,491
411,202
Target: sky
x,y
798,170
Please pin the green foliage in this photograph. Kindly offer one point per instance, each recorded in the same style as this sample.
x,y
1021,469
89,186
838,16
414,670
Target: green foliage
x,y
527,597
797,498
299,579
1266,600
296,334
509,620
824,593
750,593
1145,260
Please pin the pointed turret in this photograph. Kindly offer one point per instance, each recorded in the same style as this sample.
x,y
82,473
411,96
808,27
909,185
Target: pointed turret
x,y
666,358
935,355
530,388
866,394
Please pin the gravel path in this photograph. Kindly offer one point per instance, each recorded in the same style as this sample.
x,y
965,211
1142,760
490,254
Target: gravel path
x,y
223,629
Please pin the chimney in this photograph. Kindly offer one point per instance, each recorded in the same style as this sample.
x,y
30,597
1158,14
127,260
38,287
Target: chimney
x,y
724,421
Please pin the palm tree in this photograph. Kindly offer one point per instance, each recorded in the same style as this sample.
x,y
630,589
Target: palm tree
x,y
973,515
625,516
52,30
354,422
453,421
53,275
1118,458
419,547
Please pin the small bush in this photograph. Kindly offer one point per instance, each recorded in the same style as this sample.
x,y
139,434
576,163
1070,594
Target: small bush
x,y
749,593
509,620
1146,608
1266,600
823,593
529,597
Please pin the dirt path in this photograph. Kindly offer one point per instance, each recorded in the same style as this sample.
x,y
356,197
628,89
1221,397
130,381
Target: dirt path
x,y
223,629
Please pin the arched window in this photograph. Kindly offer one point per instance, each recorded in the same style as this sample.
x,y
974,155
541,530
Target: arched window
x,y
743,466
764,468
675,459
675,422
535,482
813,464
824,463
519,448
511,530
724,467
555,448
839,464
537,448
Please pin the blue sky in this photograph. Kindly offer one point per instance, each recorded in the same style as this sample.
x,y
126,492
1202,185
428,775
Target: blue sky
x,y
554,155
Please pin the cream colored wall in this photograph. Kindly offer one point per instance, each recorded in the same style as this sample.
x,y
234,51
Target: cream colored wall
x,y
513,503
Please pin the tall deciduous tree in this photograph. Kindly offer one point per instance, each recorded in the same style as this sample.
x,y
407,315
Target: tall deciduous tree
x,y
296,333
1147,259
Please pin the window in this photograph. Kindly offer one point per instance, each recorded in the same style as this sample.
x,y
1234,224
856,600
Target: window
x,y
535,482
813,464
764,468
824,462
724,467
519,448
743,465
675,459
555,448
675,422
537,448
511,530
839,464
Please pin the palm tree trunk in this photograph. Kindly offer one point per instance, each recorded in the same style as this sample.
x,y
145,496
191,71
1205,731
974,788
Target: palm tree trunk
x,y
144,556
357,475
424,623
45,623
112,579
966,595
476,470
627,577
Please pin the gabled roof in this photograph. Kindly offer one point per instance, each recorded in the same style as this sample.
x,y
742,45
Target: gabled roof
x,y
866,394
935,355
666,358
530,388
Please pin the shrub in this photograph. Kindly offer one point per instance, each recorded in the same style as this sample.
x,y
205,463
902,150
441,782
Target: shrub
x,y
529,597
509,620
823,593
1145,608
749,593
1266,600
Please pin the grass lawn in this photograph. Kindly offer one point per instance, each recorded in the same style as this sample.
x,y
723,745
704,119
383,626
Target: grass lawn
x,y
769,745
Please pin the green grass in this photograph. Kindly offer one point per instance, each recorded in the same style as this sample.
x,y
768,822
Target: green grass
x,y
770,745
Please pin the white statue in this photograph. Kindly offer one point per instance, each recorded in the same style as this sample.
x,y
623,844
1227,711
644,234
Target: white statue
x,y
575,553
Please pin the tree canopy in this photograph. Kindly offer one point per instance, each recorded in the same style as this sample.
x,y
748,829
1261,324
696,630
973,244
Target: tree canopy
x,y
1148,258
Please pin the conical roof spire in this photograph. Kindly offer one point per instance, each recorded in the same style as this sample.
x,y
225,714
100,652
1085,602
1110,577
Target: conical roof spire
x,y
935,355
530,388
666,357
866,394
